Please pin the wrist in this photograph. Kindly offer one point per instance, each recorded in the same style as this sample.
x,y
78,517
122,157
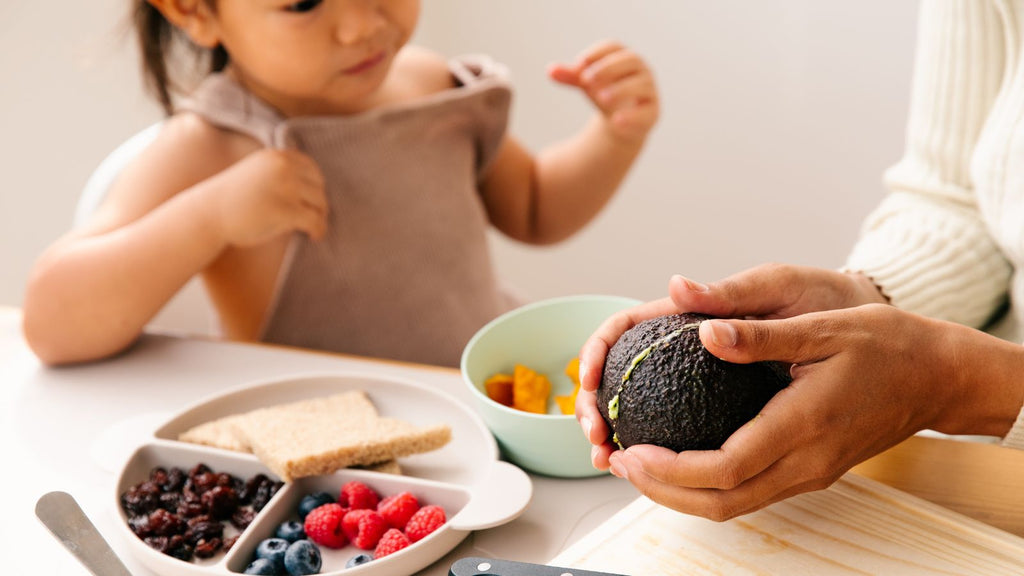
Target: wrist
x,y
985,383
630,141
865,290
208,222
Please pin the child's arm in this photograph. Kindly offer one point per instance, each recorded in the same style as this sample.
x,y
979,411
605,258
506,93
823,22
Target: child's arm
x,y
169,215
548,198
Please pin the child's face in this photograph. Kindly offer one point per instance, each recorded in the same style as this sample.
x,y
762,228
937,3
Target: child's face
x,y
315,56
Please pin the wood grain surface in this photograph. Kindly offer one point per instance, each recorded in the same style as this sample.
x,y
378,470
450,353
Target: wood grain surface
x,y
858,526
982,481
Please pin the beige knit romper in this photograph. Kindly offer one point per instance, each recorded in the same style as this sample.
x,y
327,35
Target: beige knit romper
x,y
404,271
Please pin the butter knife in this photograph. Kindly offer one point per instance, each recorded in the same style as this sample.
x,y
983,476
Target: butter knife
x,y
62,515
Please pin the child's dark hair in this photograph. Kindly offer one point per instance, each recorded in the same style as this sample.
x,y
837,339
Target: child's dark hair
x,y
159,41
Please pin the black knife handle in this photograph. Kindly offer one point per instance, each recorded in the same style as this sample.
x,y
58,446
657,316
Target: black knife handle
x,y
493,567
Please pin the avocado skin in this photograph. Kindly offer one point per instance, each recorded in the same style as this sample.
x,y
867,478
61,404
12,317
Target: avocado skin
x,y
681,397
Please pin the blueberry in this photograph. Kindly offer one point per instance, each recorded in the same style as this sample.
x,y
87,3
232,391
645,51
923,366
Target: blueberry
x,y
358,560
290,531
312,501
262,566
302,557
273,549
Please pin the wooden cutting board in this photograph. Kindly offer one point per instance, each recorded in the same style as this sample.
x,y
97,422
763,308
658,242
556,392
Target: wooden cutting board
x,y
857,526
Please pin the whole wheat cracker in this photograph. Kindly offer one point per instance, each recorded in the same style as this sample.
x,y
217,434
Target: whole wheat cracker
x,y
219,433
226,432
222,433
320,436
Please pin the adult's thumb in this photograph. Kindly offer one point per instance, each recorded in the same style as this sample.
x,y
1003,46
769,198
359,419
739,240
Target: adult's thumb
x,y
789,340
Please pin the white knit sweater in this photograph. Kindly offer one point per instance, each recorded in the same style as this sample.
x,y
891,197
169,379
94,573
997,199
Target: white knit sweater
x,y
948,241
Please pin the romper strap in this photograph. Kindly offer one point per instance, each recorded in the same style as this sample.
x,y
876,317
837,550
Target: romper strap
x,y
222,102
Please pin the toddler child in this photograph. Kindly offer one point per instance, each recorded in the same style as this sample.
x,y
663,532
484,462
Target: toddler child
x,y
332,186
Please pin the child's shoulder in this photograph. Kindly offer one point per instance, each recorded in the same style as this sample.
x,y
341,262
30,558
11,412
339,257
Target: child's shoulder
x,y
187,151
194,144
422,71
192,131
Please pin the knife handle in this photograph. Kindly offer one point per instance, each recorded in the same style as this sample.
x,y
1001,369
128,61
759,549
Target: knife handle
x,y
62,515
493,567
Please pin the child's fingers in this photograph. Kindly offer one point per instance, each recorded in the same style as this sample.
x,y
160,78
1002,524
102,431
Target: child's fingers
x,y
564,75
635,119
629,91
312,221
597,52
613,68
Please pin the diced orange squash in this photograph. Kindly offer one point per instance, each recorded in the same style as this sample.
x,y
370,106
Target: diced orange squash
x,y
499,388
572,370
567,404
530,390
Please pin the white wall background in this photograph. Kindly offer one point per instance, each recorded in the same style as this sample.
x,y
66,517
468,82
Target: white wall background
x,y
778,120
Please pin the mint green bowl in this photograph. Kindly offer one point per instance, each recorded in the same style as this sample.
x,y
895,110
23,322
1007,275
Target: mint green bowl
x,y
543,336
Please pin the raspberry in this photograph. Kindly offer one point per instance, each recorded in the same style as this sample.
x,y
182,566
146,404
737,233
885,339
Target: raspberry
x,y
350,522
371,527
398,509
323,526
357,496
423,522
392,541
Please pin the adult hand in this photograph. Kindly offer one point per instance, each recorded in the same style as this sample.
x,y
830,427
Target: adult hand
x,y
619,83
865,378
268,193
767,291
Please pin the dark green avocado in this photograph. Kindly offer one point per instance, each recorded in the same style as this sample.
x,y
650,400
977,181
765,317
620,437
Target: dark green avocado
x,y
662,387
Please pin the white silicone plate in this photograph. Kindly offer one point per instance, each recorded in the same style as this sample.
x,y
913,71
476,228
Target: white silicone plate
x,y
465,477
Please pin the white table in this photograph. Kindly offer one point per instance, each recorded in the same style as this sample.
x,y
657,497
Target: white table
x,y
53,423
53,420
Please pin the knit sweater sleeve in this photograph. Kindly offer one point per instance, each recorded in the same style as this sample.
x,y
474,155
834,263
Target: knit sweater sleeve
x,y
926,245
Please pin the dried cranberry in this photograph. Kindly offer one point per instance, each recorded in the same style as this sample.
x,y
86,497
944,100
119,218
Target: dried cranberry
x,y
164,523
207,548
264,493
191,509
203,482
170,501
180,513
178,548
140,526
251,486
199,469
158,476
175,480
158,543
204,528
242,517
170,545
140,499
221,502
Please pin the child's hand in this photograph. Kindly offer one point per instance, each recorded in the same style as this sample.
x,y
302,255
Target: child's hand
x,y
269,193
619,83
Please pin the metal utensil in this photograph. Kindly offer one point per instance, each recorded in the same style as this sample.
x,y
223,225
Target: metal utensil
x,y
493,567
62,515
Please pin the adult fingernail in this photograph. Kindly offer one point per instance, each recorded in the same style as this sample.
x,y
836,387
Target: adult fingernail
x,y
723,333
593,454
583,371
586,424
693,285
617,467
